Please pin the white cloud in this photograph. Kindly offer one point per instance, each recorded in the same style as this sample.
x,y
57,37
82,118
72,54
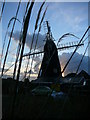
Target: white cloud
x,y
41,38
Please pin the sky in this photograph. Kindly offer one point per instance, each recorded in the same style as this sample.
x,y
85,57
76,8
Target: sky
x,y
63,17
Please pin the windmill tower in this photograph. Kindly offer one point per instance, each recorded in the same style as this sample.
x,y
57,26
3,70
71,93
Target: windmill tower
x,y
50,67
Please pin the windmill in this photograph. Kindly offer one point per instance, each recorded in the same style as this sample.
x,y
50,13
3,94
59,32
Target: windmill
x,y
60,47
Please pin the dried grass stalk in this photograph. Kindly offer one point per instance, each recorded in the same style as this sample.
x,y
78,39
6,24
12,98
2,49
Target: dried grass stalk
x,y
66,35
75,49
38,16
10,38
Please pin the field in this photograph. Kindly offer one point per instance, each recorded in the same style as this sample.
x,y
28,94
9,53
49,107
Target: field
x,y
44,107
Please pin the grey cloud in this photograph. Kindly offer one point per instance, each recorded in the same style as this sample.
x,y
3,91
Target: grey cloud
x,y
0,69
30,71
4,69
38,61
73,65
36,67
40,43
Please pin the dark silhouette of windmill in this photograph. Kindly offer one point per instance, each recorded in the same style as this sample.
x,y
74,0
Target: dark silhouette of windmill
x,y
50,66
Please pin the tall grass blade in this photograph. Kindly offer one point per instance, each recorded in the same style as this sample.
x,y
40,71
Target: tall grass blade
x,y
82,58
10,38
2,10
36,24
26,23
75,49
37,37
42,19
26,11
66,35
38,17
25,28
13,18
20,41
7,33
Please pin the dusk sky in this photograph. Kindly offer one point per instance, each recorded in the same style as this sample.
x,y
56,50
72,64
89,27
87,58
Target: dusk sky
x,y
63,18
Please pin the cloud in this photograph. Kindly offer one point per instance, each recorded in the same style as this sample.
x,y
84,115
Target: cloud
x,y
30,71
0,59
0,69
40,43
71,68
73,65
37,67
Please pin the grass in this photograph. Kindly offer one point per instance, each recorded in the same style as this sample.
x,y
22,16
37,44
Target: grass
x,y
36,107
